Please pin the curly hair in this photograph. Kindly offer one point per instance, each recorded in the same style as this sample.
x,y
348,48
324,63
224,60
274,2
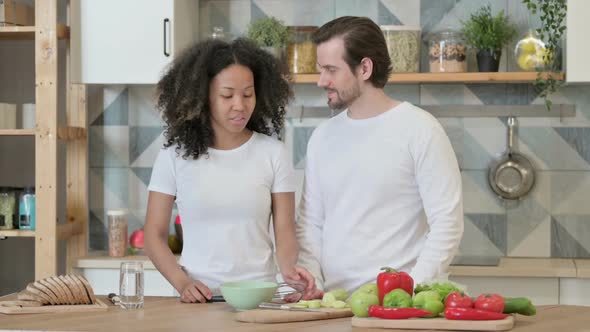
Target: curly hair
x,y
183,93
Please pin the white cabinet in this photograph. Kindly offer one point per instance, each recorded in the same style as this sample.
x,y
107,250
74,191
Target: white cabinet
x,y
577,46
128,41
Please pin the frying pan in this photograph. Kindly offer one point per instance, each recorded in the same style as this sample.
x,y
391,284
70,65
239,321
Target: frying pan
x,y
512,176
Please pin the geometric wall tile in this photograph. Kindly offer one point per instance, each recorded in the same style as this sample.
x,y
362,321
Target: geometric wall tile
x,y
138,192
477,195
150,153
143,173
116,113
546,146
567,232
108,146
578,139
114,189
142,106
403,92
366,8
493,226
535,244
301,137
140,138
475,242
407,12
570,192
474,157
523,220
97,230
298,12
387,17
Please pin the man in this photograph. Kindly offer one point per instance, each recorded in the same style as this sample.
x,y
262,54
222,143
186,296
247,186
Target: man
x,y
382,184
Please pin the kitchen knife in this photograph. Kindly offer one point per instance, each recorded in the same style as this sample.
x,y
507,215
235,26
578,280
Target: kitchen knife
x,y
278,306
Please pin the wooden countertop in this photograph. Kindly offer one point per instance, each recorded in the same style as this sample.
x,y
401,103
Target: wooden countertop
x,y
507,267
168,314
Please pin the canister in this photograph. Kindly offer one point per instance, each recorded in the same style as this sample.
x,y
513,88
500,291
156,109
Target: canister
x,y
301,51
447,52
117,220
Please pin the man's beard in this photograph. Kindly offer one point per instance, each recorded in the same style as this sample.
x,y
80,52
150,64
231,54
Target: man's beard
x,y
345,98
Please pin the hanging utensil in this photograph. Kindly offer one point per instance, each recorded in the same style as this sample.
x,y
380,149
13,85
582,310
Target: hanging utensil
x,y
512,176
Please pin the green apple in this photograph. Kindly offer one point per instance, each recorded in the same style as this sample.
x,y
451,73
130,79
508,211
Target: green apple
x,y
429,301
361,301
369,288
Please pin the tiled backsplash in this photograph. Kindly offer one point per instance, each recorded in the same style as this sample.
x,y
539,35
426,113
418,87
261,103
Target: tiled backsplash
x,y
553,221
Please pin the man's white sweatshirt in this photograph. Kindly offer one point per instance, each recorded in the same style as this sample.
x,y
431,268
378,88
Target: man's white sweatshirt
x,y
382,191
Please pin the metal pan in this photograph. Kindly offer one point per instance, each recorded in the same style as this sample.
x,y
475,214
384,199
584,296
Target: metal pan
x,y
512,176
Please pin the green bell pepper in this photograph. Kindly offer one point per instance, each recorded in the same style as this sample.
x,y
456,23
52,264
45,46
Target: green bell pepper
x,y
397,298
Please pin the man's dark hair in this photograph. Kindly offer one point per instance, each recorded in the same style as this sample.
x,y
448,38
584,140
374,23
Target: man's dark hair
x,y
183,93
362,39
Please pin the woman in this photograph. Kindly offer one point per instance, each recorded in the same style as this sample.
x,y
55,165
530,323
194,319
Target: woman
x,y
221,102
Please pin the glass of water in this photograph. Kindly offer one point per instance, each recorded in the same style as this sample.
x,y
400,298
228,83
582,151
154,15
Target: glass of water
x,y
131,285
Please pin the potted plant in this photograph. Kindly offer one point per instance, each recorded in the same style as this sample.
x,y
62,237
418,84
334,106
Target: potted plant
x,y
553,25
488,34
270,34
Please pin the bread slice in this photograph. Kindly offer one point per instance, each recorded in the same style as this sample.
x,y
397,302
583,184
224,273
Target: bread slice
x,y
55,292
57,289
35,291
87,287
72,289
82,289
80,293
25,295
65,289
38,285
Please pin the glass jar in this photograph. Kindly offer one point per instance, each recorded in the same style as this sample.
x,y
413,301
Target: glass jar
x,y
117,220
26,209
447,52
403,46
219,33
7,208
530,52
301,51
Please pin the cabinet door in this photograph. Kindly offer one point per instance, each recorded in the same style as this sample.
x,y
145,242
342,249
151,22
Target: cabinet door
x,y
127,41
577,47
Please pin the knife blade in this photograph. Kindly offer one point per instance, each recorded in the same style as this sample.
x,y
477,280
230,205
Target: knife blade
x,y
278,306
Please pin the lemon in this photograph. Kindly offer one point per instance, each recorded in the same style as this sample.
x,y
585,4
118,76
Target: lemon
x,y
527,61
528,46
542,55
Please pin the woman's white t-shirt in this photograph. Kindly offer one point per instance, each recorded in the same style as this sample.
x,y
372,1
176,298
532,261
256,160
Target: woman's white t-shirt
x,y
224,200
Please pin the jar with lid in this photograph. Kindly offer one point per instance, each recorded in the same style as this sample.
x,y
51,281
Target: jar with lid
x,y
301,51
26,209
7,208
447,52
403,46
219,33
117,220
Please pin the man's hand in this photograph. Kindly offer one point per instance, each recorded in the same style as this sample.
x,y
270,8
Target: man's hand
x,y
313,294
299,278
195,291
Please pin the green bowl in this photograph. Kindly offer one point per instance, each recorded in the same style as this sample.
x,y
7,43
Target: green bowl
x,y
245,295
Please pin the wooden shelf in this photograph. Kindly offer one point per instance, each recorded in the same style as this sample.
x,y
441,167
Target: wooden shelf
x,y
408,78
17,233
17,132
28,32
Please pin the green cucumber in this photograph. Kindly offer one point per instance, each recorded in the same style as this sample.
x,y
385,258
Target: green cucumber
x,y
519,305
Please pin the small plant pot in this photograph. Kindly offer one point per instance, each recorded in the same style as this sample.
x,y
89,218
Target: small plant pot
x,y
488,60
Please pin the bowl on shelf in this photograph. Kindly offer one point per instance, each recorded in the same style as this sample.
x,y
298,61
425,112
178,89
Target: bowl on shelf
x,y
245,295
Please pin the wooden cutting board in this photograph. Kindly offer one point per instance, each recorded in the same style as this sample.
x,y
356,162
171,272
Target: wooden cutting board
x,y
436,324
9,308
266,316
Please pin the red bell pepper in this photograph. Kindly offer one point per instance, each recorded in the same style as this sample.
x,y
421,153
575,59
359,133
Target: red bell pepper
x,y
390,279
396,313
472,314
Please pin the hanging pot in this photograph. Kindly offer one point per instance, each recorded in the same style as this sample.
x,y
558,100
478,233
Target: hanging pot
x,y
512,176
488,60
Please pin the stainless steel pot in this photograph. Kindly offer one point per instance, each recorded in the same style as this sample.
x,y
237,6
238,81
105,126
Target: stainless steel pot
x,y
512,176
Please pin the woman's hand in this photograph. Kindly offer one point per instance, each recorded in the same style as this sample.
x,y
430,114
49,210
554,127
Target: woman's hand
x,y
195,291
299,278
313,294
